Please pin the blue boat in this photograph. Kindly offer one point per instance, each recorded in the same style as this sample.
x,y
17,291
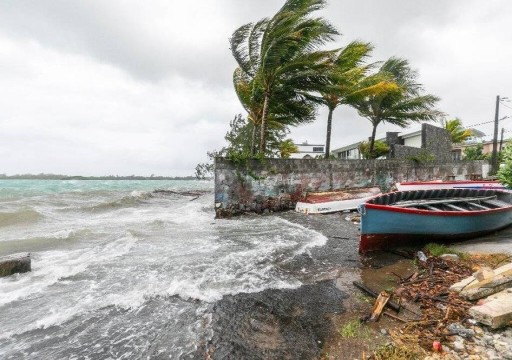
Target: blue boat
x,y
405,218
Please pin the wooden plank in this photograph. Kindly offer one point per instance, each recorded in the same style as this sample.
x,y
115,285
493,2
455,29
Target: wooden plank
x,y
498,203
370,292
443,201
454,207
430,207
478,206
472,282
381,301
487,287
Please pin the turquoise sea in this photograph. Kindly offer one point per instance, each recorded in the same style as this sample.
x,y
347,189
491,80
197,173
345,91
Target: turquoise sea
x,y
129,269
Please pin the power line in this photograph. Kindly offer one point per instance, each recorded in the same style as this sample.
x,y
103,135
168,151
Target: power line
x,y
505,106
487,122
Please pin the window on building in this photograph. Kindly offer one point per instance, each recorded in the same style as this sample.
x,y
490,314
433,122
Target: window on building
x,y
318,149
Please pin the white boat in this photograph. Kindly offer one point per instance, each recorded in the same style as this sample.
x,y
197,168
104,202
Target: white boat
x,y
334,201
453,184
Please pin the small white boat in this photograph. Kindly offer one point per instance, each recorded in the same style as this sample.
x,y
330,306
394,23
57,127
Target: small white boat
x,y
454,184
333,201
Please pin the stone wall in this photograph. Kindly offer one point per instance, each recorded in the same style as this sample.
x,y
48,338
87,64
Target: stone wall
x,y
435,145
277,184
436,141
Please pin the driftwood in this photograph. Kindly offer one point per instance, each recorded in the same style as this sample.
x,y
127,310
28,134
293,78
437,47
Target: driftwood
x,y
372,293
381,301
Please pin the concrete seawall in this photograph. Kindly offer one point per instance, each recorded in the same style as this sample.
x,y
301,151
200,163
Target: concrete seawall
x,y
277,184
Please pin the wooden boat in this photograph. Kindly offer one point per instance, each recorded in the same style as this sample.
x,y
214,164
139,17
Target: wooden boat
x,y
454,184
407,217
333,201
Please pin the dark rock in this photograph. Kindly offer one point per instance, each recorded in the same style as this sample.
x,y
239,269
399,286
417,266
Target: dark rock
x,y
12,264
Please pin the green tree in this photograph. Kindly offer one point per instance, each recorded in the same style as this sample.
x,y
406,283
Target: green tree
x,y
287,148
505,171
279,64
239,145
398,106
474,152
380,149
457,132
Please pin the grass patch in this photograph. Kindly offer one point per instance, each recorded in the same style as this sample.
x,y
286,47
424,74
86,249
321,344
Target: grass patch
x,y
354,329
440,249
396,352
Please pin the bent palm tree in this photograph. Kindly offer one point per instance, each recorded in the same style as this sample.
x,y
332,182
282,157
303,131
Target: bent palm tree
x,y
457,132
279,58
347,74
398,106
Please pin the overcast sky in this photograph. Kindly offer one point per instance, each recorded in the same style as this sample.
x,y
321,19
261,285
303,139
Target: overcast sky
x,y
144,87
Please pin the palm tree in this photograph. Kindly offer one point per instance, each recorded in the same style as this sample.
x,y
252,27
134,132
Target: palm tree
x,y
282,113
278,57
347,74
400,105
457,132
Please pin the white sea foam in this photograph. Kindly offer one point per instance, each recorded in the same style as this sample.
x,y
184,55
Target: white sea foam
x,y
49,267
138,248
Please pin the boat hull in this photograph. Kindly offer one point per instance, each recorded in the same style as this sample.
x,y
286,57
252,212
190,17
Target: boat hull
x,y
334,201
405,218
456,184
381,230
330,206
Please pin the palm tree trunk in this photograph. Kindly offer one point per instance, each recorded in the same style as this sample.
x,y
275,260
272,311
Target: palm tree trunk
x,y
372,142
253,139
263,130
328,139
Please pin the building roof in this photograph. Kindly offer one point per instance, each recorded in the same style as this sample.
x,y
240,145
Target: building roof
x,y
403,135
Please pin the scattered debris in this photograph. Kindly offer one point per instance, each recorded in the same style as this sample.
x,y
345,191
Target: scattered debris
x,y
421,256
381,301
435,310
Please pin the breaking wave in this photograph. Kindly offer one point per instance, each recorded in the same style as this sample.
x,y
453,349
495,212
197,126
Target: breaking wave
x,y
134,199
23,216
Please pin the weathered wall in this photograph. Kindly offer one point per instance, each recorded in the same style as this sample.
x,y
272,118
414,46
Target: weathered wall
x,y
435,144
437,141
277,184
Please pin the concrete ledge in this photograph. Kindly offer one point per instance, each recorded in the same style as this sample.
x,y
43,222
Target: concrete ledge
x,y
496,311
16,263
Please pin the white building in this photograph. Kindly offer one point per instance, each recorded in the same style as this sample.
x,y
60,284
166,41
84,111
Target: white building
x,y
308,151
406,143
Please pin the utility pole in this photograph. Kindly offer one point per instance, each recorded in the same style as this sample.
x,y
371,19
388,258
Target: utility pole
x,y
501,139
494,158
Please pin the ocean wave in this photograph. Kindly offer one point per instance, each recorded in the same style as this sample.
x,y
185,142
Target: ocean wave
x,y
53,267
23,216
134,199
